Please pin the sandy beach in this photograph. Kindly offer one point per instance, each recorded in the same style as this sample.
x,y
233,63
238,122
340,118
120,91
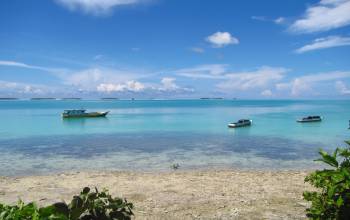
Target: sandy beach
x,y
209,194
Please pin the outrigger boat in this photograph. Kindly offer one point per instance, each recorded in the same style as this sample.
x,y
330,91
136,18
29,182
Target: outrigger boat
x,y
310,119
240,123
81,113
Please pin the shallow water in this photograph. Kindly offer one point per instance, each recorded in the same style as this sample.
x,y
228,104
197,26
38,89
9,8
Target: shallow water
x,y
152,135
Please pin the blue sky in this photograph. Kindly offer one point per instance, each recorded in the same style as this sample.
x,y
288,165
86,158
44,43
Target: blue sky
x,y
175,48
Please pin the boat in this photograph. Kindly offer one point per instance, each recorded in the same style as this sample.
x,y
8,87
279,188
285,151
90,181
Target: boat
x,y
81,113
240,123
314,118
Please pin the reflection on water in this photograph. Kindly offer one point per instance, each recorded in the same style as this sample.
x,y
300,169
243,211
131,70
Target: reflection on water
x,y
153,151
82,122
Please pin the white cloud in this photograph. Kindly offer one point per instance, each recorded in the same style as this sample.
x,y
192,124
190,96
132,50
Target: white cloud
x,y
109,87
23,65
90,79
20,89
132,86
221,39
279,20
261,78
203,71
342,88
322,43
96,7
266,93
14,64
168,83
326,15
300,85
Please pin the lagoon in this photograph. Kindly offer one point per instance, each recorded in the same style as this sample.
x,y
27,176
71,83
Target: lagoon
x,y
153,134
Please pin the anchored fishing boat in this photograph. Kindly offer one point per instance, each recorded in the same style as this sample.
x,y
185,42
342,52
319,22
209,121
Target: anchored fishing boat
x,y
81,113
310,119
240,123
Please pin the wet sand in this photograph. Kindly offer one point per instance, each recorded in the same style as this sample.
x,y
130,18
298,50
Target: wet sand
x,y
208,194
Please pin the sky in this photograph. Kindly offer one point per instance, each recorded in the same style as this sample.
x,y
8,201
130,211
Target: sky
x,y
149,49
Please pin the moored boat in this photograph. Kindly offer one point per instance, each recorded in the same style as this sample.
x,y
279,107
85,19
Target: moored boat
x,y
81,113
240,123
314,118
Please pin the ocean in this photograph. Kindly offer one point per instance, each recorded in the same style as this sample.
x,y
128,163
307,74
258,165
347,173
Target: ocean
x,y
151,135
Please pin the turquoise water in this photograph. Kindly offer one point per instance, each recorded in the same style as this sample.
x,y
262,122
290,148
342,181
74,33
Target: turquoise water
x,y
151,135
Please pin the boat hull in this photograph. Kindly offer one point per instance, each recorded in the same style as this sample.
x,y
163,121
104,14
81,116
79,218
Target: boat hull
x,y
307,121
86,115
236,125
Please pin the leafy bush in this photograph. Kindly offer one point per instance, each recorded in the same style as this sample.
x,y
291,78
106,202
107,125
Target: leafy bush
x,y
86,206
332,200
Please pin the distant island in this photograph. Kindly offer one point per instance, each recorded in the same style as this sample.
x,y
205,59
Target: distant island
x,y
44,98
110,98
71,98
8,98
211,98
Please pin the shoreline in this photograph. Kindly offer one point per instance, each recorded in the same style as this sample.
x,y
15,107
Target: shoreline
x,y
181,194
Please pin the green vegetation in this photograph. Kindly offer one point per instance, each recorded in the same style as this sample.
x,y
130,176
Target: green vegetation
x,y
332,200
86,206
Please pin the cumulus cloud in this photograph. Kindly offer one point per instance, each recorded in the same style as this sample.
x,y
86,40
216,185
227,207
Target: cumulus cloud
x,y
168,83
95,7
22,89
221,39
342,88
327,42
132,86
90,79
303,84
324,16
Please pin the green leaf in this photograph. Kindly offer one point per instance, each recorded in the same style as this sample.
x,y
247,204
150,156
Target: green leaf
x,y
340,201
328,159
347,142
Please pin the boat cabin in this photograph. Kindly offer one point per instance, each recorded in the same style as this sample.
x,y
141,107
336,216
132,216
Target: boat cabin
x,y
74,112
243,121
313,117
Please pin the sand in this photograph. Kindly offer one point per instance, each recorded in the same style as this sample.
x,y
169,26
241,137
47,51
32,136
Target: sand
x,y
209,194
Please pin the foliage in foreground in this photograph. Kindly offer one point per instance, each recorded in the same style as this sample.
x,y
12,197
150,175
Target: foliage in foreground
x,y
86,206
332,200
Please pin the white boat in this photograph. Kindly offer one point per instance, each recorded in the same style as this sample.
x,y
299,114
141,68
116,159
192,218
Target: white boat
x,y
81,113
314,118
240,123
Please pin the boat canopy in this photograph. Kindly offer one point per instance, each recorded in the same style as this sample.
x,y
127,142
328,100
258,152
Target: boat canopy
x,y
243,120
313,117
74,111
